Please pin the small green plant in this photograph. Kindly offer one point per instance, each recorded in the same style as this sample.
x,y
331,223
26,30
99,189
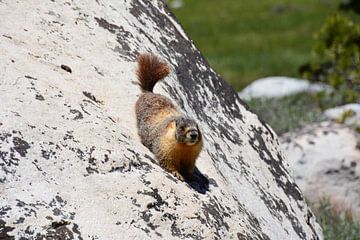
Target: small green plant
x,y
335,56
345,115
336,225
357,129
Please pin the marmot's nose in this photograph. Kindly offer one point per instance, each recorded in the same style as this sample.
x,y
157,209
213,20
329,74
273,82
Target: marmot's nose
x,y
193,135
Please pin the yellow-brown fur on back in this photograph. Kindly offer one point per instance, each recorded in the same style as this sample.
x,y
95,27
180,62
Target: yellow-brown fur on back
x,y
159,117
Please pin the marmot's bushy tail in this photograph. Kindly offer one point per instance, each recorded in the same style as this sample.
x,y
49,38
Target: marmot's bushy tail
x,y
150,70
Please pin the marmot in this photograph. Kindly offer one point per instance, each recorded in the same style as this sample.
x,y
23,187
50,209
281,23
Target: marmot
x,y
174,138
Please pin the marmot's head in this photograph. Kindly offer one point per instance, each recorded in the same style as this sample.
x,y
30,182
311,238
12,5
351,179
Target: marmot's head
x,y
187,131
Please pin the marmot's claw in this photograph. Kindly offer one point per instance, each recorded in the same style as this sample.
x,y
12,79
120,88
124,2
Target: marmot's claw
x,y
178,175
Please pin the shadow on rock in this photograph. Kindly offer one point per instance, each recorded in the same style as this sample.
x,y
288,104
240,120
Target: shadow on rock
x,y
198,182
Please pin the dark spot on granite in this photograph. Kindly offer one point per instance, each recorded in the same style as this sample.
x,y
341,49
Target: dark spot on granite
x,y
122,37
60,200
20,203
159,202
137,162
150,158
133,201
91,169
169,216
106,25
35,163
18,221
57,230
45,154
79,115
56,212
344,167
30,77
92,97
76,230
29,231
39,97
331,171
7,36
4,230
66,68
20,146
61,223
241,236
145,230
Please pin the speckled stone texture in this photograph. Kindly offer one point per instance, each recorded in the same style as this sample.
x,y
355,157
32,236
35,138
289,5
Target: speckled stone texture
x,y
71,163
325,158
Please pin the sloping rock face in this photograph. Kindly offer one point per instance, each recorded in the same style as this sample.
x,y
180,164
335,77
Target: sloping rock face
x,y
72,165
325,159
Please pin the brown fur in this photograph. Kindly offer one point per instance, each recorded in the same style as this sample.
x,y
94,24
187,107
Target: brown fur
x,y
156,121
150,70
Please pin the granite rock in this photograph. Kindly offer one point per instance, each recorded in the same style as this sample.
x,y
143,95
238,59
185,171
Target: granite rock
x,y
71,163
278,86
325,159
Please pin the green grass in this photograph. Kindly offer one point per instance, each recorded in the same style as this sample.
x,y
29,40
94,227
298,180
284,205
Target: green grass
x,y
295,111
287,113
335,225
247,40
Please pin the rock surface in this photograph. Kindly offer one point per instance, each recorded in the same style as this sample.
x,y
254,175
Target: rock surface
x,y
348,114
71,163
274,87
325,159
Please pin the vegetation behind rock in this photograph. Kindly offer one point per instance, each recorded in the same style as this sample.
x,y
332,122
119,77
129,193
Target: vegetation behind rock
x,y
336,56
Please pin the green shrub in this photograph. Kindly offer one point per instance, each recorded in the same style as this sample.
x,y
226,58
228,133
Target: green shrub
x,y
335,56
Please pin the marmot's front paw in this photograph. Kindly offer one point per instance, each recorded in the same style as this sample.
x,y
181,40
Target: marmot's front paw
x,y
178,175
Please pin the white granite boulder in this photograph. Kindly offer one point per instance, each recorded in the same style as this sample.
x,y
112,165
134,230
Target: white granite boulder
x,y
276,87
325,159
71,163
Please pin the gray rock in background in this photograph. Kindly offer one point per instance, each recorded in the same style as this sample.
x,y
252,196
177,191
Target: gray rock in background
x,y
279,86
72,165
325,159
